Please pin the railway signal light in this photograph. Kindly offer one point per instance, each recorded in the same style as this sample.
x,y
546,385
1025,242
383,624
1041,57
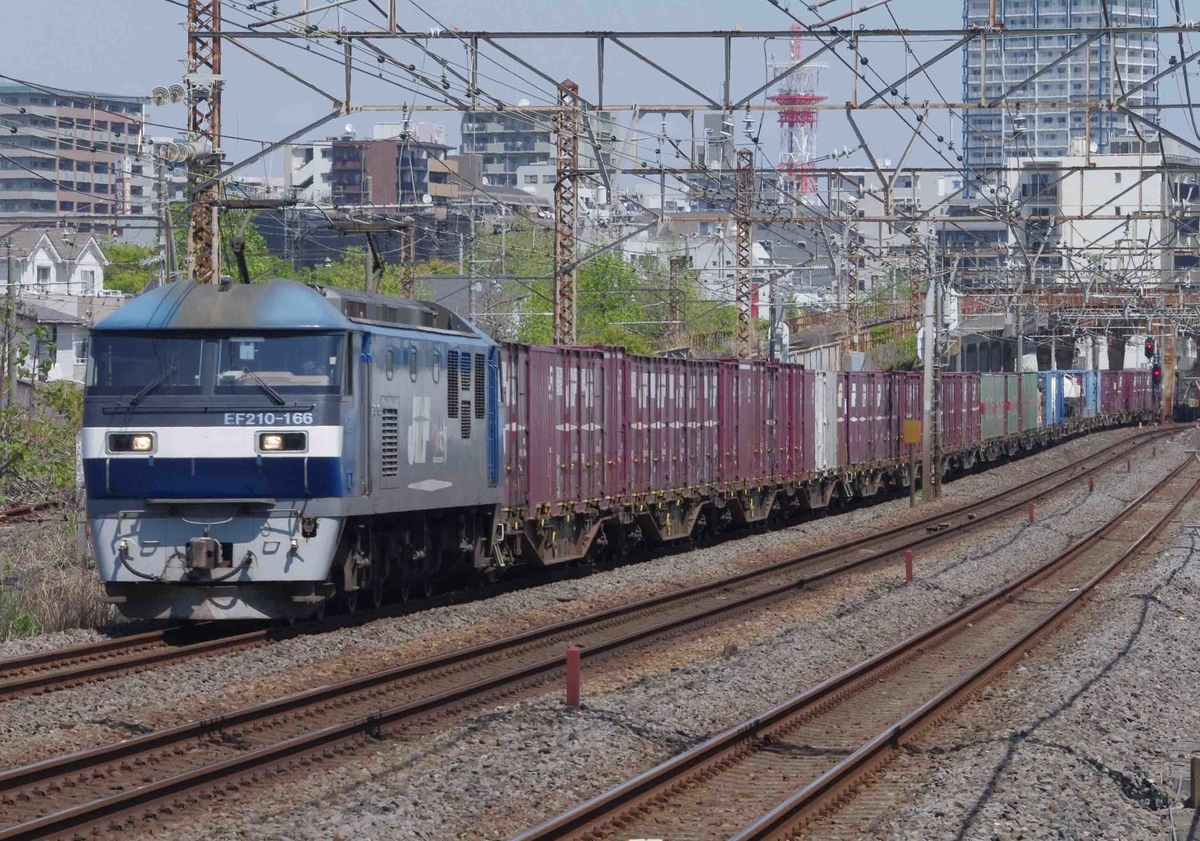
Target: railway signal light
x,y
1149,347
1156,373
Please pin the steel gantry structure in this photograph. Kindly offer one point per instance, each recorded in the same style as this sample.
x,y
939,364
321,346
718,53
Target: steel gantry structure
x,y
461,85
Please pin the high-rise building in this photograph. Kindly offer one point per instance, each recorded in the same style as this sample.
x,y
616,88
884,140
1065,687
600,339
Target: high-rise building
x,y
512,140
71,153
995,64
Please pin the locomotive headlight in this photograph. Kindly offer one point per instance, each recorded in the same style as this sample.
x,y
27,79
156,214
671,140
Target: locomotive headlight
x,y
282,442
131,442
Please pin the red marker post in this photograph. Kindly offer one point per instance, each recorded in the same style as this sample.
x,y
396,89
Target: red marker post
x,y
1091,484
1030,512
908,566
1128,463
574,676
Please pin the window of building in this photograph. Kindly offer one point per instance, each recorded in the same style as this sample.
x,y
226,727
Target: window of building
x,y
136,209
80,186
43,279
547,179
88,278
81,351
1117,209
67,206
100,209
66,165
100,188
136,191
83,166
102,125
531,179
1116,178
83,207
101,168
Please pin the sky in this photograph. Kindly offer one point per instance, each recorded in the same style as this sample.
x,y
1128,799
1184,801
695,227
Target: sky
x,y
129,46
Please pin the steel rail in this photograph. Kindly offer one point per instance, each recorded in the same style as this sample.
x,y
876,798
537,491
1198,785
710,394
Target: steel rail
x,y
322,741
673,774
25,510
88,662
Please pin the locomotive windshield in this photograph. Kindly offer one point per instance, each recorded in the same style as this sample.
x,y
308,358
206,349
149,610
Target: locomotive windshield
x,y
125,364
140,364
309,363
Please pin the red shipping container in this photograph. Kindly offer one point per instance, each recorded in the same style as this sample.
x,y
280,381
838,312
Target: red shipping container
x,y
557,447
1110,391
741,407
961,401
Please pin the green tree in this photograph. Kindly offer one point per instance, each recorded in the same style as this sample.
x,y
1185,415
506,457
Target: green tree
x,y
130,266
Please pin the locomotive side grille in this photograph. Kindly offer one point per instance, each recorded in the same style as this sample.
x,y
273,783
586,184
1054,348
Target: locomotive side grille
x,y
390,442
465,371
466,419
452,383
479,386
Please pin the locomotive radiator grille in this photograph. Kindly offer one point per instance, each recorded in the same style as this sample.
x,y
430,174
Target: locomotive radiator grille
x,y
452,383
390,442
466,419
479,386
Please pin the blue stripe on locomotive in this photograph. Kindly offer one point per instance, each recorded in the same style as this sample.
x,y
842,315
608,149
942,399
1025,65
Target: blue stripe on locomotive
x,y
191,478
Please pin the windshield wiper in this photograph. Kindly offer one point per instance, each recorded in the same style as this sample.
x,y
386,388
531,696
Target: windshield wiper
x,y
150,386
275,396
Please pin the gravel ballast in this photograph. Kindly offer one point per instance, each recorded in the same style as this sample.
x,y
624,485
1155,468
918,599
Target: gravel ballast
x,y
515,764
40,726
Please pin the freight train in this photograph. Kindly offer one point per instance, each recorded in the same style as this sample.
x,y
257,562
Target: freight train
x,y
262,451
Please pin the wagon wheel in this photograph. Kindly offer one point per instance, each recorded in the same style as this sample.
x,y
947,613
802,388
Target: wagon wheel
x,y
405,591
428,586
319,613
350,601
377,594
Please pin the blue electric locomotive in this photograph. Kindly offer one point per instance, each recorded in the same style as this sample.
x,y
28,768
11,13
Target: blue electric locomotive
x,y
255,451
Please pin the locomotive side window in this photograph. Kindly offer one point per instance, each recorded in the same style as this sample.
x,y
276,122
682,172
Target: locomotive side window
x,y
437,366
391,363
414,362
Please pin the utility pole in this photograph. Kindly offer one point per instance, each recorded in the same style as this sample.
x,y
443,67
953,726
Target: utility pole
x,y
850,279
9,385
930,408
204,130
566,215
743,211
676,331
408,258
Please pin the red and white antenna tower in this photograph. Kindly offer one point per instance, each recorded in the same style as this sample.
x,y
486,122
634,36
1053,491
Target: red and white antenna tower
x,y
798,122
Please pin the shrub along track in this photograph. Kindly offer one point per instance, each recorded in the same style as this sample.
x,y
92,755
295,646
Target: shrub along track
x,y
766,777
64,667
154,774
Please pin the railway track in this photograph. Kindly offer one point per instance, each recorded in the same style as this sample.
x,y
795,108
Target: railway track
x,y
66,667
146,777
766,777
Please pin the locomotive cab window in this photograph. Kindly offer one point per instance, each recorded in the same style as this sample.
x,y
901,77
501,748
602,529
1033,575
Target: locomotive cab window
x,y
145,364
309,363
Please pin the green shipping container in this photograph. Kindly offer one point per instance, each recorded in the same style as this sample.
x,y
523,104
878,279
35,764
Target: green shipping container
x,y
992,396
1012,403
1029,401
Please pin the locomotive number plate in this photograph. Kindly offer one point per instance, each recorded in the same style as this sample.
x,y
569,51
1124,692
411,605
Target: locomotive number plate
x,y
268,418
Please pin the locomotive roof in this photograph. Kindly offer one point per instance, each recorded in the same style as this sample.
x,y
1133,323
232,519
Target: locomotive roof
x,y
277,304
